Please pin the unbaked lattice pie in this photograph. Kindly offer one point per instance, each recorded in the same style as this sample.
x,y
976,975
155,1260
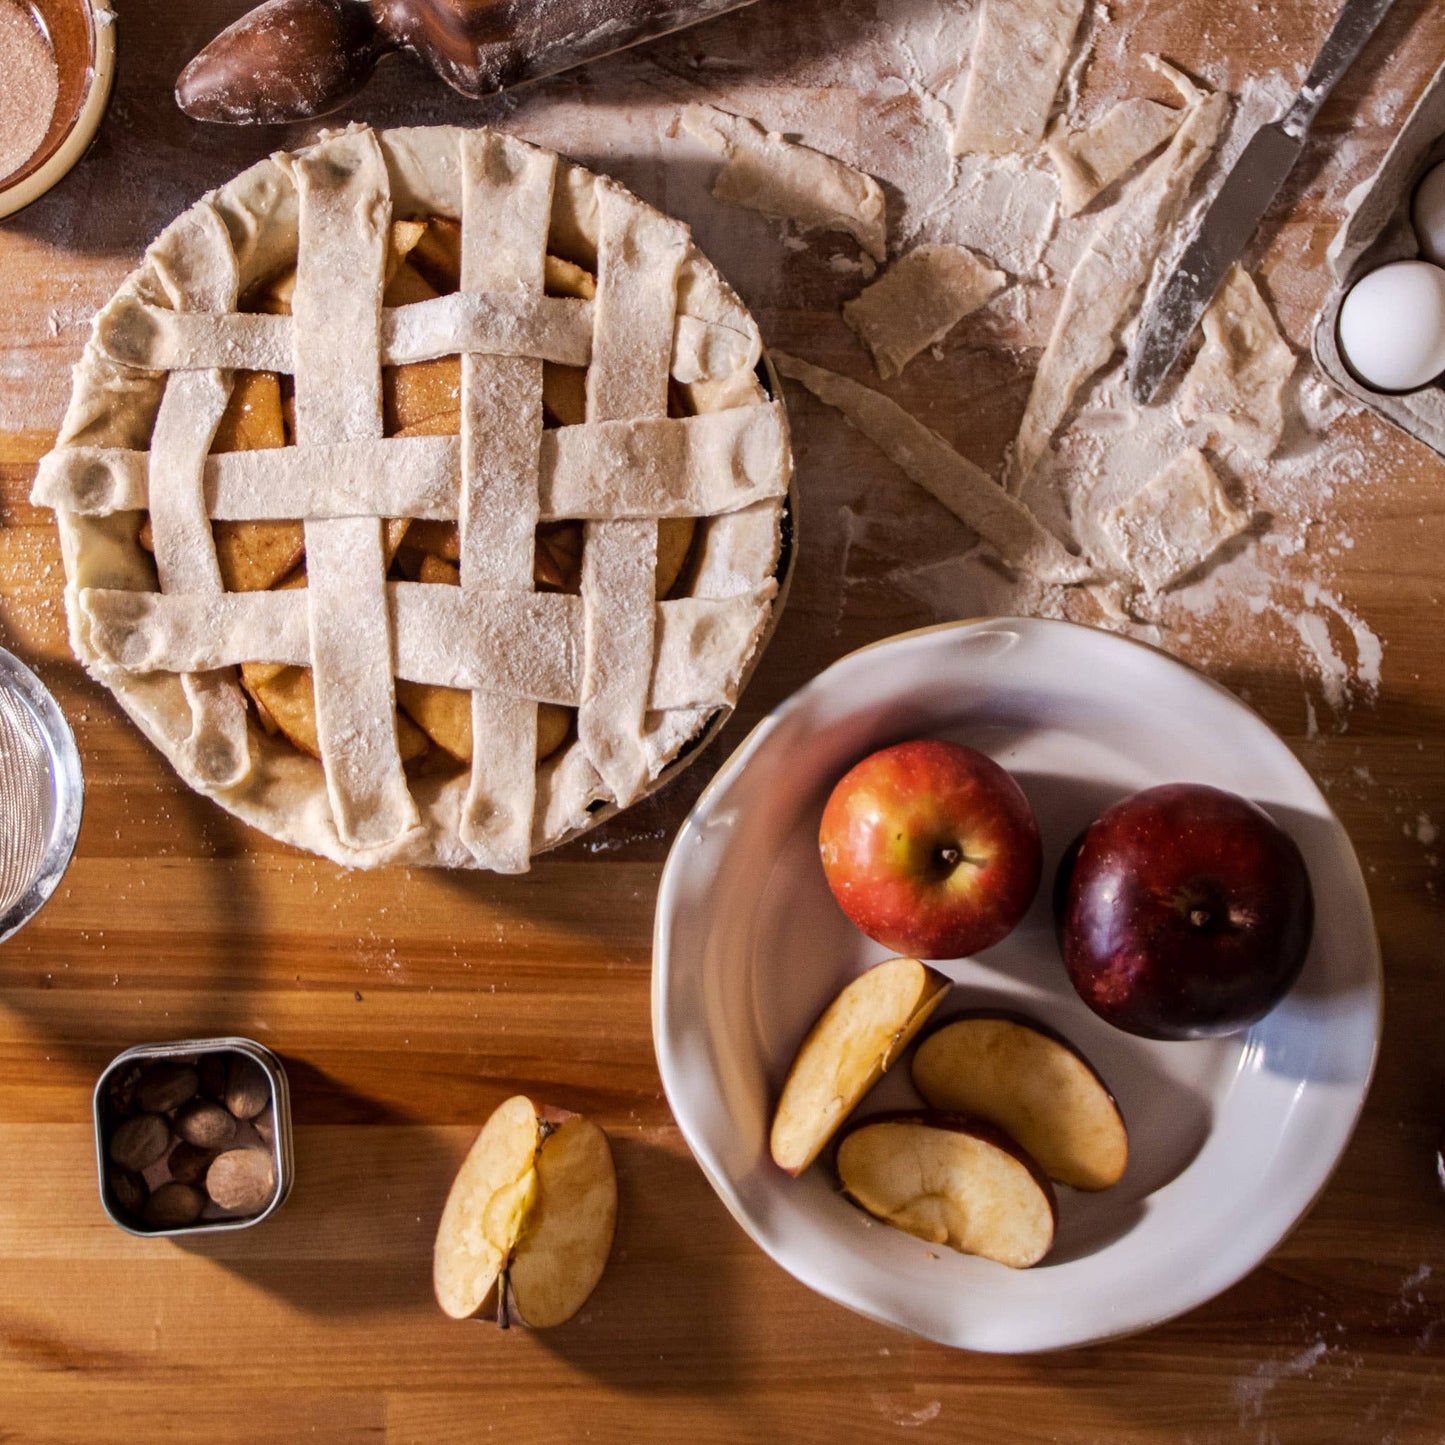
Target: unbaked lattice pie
x,y
422,497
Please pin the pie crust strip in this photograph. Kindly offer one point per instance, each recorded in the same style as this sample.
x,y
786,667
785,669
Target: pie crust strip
x,y
639,256
1002,521
135,333
506,212
198,267
524,644
696,466
1019,56
345,215
1112,273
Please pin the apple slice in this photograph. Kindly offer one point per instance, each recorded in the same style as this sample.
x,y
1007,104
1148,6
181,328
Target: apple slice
x,y
952,1181
1035,1086
528,1224
847,1051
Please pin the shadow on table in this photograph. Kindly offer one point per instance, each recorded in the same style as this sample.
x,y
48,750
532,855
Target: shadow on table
x,y
354,1237
666,1317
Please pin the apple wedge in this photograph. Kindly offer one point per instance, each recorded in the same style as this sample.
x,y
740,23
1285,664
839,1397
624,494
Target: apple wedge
x,y
528,1224
1035,1086
952,1181
847,1051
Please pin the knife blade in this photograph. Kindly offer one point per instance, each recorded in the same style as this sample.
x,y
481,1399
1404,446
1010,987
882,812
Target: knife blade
x,y
1239,205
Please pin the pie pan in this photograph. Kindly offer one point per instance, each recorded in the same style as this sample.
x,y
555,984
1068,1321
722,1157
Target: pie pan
x,y
1231,1139
314,637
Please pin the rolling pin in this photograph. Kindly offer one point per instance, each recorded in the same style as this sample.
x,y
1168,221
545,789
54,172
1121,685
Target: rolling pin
x,y
294,59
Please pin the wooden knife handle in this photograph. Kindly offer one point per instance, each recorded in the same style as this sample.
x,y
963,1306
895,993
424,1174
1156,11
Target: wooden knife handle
x,y
295,59
285,60
482,46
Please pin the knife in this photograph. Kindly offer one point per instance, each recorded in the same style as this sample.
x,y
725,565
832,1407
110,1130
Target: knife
x,y
1240,203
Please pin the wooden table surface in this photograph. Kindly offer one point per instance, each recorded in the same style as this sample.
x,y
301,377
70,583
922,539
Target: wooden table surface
x,y
407,1004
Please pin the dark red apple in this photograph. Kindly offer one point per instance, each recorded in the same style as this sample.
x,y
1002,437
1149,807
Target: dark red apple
x,y
931,849
1185,911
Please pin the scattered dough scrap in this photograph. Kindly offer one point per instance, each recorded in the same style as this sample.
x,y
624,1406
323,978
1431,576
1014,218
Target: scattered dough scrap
x,y
920,299
1091,160
1174,523
1002,521
790,182
1112,272
1237,381
1019,56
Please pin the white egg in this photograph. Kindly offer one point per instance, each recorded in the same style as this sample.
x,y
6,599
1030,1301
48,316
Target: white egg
x,y
1392,326
1427,211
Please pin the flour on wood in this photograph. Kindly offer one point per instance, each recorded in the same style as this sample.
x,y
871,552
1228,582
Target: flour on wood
x,y
1174,523
920,299
1236,385
1002,521
1108,279
790,182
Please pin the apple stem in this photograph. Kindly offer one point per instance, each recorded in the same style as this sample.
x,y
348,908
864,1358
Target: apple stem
x,y
504,1316
950,856
1199,917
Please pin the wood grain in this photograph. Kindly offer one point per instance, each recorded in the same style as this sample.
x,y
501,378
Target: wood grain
x,y
408,1004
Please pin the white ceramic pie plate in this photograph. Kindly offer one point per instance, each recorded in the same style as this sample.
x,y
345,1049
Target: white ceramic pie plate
x,y
1231,1139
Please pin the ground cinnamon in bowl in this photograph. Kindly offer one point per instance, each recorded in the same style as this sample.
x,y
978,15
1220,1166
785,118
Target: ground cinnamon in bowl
x,y
29,85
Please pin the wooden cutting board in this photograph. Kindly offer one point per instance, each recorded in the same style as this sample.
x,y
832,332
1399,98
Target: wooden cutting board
x,y
407,1004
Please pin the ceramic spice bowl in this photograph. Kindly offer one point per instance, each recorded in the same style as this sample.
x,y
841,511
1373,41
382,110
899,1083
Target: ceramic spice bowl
x,y
80,34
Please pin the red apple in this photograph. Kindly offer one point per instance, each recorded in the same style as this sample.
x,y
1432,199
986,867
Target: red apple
x,y
1185,911
931,849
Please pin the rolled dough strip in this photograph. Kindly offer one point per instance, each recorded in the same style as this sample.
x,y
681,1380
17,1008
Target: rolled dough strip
x,y
198,267
506,209
345,223
1236,384
522,645
696,466
1091,160
918,301
790,182
1174,523
1109,278
553,328
639,256
1019,56
1002,521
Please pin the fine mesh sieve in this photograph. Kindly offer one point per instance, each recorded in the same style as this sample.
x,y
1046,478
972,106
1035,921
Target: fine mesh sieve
x,y
25,795
40,794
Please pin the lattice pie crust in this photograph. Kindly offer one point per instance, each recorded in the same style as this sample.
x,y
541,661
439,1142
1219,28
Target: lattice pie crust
x,y
645,676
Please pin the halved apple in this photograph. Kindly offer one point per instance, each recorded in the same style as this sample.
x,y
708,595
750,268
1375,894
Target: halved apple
x,y
952,1181
847,1051
1034,1085
528,1224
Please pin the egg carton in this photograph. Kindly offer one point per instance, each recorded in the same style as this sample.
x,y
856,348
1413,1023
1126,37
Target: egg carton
x,y
1377,230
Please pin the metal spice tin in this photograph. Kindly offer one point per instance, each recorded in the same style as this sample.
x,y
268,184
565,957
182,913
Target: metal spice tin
x,y
281,1142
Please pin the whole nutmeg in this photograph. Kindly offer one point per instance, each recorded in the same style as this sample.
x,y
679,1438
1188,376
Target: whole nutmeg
x,y
167,1086
139,1141
206,1125
242,1180
173,1206
188,1164
211,1070
248,1090
126,1188
120,1093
